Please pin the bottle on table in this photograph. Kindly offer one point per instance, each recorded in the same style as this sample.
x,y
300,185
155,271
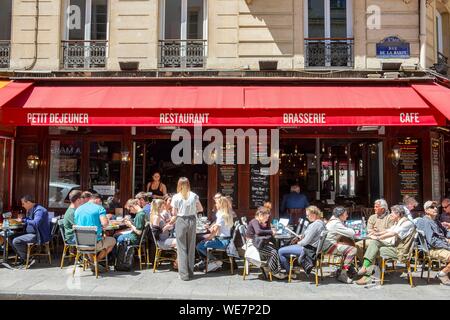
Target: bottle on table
x,y
363,228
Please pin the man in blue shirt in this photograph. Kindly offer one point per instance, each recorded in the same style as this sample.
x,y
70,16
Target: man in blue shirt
x,y
37,228
92,214
294,204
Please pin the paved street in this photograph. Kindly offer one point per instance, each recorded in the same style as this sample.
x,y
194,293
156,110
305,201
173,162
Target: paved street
x,y
42,281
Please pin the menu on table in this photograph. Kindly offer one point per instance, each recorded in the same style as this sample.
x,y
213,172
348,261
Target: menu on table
x,y
410,168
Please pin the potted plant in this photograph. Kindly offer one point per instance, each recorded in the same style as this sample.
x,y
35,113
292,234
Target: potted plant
x,y
129,65
266,65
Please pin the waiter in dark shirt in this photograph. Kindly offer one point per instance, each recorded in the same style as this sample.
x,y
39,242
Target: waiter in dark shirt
x,y
294,205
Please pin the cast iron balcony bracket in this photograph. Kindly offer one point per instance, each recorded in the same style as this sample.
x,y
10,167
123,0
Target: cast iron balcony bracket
x,y
182,54
84,54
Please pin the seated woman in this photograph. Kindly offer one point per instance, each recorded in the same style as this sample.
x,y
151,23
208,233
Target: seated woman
x,y
310,239
137,226
160,227
220,233
340,242
167,208
260,227
393,242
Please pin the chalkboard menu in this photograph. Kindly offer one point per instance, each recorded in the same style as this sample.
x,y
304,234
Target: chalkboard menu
x,y
259,177
435,169
227,181
409,168
259,185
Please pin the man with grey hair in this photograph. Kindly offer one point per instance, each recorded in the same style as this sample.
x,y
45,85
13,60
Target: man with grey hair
x,y
379,221
393,243
409,204
444,217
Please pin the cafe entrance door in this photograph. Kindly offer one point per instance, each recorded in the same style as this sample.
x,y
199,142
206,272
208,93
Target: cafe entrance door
x,y
152,155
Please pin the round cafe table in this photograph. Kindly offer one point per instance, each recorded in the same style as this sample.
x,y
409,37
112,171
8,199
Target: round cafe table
x,y
6,233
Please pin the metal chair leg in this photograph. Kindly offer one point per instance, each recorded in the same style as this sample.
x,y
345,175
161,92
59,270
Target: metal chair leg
x,y
77,257
96,266
47,246
63,255
245,268
408,265
416,257
231,265
291,265
155,263
140,258
383,269
28,256
430,264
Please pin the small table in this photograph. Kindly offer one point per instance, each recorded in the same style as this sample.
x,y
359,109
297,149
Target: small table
x,y
363,239
279,238
6,233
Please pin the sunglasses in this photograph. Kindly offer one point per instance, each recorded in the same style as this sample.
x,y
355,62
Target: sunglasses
x,y
446,206
432,207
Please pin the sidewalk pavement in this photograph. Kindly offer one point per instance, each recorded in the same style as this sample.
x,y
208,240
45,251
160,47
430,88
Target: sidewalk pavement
x,y
42,281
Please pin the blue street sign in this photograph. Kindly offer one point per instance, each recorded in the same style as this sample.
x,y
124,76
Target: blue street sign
x,y
393,47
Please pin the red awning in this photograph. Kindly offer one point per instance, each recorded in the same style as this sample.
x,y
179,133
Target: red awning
x,y
12,90
437,95
144,105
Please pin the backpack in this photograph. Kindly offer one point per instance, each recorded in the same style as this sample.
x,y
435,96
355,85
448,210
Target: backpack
x,y
125,257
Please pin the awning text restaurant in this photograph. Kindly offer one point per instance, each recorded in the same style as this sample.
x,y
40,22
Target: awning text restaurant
x,y
342,141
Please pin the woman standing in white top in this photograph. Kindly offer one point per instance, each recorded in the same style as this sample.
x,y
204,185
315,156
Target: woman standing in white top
x,y
186,205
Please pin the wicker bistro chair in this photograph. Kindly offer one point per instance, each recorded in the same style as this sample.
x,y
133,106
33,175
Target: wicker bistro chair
x,y
247,265
86,243
424,250
405,260
160,251
320,256
54,234
229,259
35,250
67,246
142,247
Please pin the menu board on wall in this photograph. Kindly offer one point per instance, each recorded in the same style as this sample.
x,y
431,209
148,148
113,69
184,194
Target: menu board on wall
x,y
410,169
259,179
227,181
435,169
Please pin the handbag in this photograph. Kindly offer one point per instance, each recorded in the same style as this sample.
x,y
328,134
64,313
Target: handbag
x,y
252,254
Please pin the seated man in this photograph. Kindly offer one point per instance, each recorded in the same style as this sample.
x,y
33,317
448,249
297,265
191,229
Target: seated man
x,y
69,216
393,242
92,214
37,228
379,221
137,226
436,237
335,243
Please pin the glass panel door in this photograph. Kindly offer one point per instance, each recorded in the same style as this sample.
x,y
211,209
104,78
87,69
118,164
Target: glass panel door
x,y
104,171
65,168
5,19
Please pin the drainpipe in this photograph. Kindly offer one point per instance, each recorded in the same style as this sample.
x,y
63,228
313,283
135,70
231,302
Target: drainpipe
x,y
36,31
423,33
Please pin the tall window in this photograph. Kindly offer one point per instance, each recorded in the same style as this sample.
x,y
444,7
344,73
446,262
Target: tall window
x,y
5,32
439,40
183,33
328,33
86,33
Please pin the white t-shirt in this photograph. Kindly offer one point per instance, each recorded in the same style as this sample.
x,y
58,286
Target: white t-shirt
x,y
402,228
224,230
185,207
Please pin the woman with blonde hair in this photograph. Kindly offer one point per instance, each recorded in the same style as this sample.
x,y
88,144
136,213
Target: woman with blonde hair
x,y
309,240
219,236
186,205
160,227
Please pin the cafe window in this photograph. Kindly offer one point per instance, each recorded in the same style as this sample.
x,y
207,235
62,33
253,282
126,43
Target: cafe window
x,y
91,22
104,171
5,173
5,19
65,168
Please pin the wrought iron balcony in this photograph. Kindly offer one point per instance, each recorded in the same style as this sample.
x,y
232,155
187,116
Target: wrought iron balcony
x,y
5,49
182,54
442,65
80,54
329,52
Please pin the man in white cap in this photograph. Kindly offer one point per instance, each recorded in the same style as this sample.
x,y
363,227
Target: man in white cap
x,y
436,238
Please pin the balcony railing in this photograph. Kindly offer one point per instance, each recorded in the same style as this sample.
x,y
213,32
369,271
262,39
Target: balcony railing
x,y
182,54
5,49
329,52
80,54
